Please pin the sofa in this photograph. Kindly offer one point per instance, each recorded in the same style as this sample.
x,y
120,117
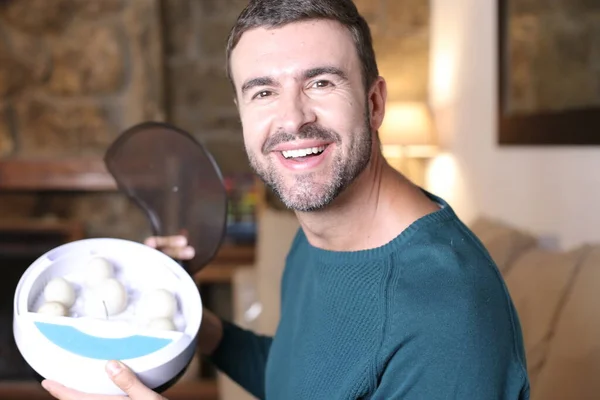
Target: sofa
x,y
554,292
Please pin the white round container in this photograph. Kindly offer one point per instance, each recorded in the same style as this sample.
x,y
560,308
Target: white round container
x,y
74,349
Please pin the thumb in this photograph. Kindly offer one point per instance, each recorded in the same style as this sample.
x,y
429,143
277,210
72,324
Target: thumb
x,y
128,382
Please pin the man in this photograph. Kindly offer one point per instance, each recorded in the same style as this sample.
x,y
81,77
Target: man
x,y
386,294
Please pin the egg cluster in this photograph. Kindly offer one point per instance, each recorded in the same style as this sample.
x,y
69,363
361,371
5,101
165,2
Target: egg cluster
x,y
104,296
59,296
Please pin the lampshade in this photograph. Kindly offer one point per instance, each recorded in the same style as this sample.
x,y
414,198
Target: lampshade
x,y
408,125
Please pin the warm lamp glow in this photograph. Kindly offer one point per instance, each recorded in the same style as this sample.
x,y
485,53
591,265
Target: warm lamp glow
x,y
442,175
409,128
443,80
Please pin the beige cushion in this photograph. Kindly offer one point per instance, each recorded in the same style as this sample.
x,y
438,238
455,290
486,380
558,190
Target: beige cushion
x,y
538,282
503,242
276,231
572,368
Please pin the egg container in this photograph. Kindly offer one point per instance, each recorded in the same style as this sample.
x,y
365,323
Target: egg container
x,y
74,349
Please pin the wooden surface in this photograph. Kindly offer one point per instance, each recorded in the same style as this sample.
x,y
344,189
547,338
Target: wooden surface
x,y
86,174
71,229
185,391
78,174
234,255
227,261
26,237
217,273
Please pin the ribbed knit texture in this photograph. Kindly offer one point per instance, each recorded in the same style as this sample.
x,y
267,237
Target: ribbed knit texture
x,y
426,316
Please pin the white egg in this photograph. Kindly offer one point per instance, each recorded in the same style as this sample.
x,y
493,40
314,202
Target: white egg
x,y
60,290
163,324
53,308
98,269
157,303
106,299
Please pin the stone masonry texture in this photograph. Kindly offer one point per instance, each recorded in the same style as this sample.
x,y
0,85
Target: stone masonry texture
x,y
75,74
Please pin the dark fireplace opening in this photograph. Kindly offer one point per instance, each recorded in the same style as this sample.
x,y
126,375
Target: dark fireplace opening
x,y
21,243
12,365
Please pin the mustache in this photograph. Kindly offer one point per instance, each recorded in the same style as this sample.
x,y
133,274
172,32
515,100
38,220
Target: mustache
x,y
312,131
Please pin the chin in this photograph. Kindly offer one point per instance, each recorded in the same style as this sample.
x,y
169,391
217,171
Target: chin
x,y
302,191
306,197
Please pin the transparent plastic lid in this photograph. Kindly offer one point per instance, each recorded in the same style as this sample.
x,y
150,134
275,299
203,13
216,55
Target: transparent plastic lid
x,y
176,182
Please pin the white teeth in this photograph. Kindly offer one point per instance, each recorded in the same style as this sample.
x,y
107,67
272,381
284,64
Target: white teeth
x,y
303,152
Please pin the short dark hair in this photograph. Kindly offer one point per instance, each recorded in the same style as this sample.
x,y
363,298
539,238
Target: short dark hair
x,y
277,13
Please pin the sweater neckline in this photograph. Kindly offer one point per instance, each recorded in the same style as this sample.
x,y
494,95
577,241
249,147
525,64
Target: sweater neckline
x,y
445,213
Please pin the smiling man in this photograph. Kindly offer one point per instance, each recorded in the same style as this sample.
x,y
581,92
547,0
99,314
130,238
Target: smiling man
x,y
386,294
304,110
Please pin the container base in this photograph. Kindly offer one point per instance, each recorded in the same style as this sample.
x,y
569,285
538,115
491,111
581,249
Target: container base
x,y
161,389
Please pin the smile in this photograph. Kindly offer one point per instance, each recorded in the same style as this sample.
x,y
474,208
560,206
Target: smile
x,y
300,153
303,157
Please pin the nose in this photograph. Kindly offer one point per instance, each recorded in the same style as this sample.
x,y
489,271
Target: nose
x,y
294,112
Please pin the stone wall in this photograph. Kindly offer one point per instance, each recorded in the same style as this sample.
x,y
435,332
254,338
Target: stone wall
x,y
400,31
74,74
199,96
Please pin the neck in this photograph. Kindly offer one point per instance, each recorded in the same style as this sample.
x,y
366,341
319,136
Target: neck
x,y
376,208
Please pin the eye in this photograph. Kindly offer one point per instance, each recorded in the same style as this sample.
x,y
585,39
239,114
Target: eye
x,y
262,94
321,84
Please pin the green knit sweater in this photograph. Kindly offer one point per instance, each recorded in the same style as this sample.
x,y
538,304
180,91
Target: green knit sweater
x,y
424,317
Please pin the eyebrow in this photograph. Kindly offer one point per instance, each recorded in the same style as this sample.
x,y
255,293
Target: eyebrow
x,y
262,81
314,72
308,74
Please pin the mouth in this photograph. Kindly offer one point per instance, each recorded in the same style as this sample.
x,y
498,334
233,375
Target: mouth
x,y
304,157
303,153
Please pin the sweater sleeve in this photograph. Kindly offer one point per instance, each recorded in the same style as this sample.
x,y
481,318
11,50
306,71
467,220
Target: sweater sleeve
x,y
471,374
242,355
453,333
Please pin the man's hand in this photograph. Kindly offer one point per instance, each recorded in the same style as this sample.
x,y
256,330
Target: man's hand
x,y
173,246
122,376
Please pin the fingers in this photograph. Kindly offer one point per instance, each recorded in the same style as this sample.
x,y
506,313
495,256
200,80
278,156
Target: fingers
x,y
166,241
61,392
174,246
122,376
128,382
179,253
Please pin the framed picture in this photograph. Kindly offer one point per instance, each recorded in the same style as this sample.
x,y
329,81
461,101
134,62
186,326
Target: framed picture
x,y
549,72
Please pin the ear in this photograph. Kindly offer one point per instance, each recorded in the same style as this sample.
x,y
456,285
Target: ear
x,y
377,99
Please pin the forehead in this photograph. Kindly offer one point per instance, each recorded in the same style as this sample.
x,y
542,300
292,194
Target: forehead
x,y
291,48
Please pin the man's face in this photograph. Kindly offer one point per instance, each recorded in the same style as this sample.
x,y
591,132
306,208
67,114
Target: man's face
x,y
304,110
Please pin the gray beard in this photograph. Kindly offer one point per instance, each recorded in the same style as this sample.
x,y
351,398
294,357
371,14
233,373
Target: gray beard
x,y
306,194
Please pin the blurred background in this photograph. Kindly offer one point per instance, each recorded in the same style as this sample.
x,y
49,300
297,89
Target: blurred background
x,y
493,105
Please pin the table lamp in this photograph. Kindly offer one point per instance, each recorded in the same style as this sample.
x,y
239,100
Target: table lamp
x,y
408,138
